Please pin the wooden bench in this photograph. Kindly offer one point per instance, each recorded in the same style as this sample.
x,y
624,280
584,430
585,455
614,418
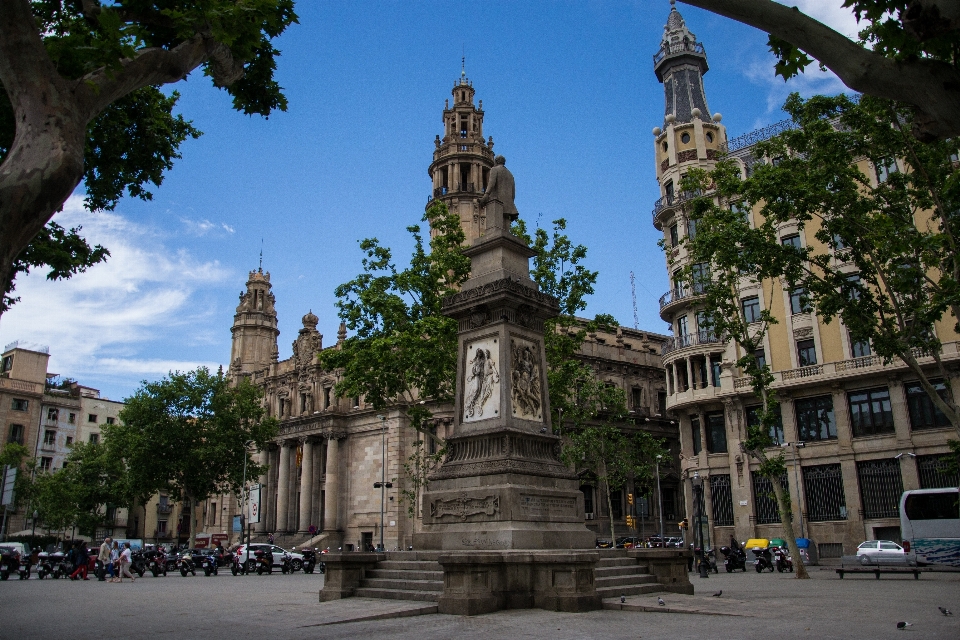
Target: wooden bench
x,y
877,570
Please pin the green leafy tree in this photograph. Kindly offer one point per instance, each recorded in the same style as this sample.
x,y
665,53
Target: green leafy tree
x,y
185,435
907,51
82,98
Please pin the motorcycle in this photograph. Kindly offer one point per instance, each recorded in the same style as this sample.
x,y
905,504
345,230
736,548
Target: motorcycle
x,y
709,558
264,561
237,567
186,565
59,561
310,560
784,562
734,557
156,563
44,566
209,564
138,563
286,564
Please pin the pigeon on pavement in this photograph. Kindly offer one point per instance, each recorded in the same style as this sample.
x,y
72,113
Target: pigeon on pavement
x,y
718,593
623,598
660,601
945,612
904,625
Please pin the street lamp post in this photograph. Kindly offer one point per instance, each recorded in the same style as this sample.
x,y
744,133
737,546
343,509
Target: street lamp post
x,y
796,479
36,515
660,503
245,506
383,473
698,530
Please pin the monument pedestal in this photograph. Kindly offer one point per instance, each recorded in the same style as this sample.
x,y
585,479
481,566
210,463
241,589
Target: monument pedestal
x,y
505,506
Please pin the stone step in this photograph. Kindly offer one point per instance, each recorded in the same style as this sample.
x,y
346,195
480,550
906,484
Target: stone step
x,y
605,572
405,574
625,580
399,594
402,584
628,590
414,555
617,562
409,565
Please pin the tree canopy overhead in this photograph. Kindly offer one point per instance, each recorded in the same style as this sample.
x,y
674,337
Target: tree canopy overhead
x,y
82,99
909,51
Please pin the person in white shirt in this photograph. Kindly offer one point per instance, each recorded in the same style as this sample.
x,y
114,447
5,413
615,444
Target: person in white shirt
x,y
125,561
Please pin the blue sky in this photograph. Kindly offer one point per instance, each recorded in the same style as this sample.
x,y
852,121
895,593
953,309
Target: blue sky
x,y
570,99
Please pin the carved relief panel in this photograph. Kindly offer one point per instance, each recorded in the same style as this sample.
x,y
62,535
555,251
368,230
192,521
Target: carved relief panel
x,y
481,388
526,379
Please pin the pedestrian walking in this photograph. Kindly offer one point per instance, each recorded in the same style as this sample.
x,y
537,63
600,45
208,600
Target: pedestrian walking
x,y
125,561
103,558
270,538
115,561
82,558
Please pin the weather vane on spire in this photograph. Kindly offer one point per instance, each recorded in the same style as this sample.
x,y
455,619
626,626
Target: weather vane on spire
x,y
260,269
463,61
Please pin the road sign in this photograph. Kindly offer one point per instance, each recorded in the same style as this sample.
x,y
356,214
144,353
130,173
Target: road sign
x,y
254,504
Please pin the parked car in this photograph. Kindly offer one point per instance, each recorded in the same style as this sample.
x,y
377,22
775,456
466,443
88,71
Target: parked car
x,y
603,543
246,554
882,552
628,542
674,543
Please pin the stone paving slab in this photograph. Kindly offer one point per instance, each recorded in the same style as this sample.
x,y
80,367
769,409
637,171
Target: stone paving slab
x,y
677,603
363,609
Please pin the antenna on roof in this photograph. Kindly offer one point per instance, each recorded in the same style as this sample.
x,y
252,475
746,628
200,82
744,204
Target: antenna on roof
x,y
261,256
633,292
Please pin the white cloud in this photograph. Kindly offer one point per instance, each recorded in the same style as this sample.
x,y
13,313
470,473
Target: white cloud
x,y
830,13
810,82
104,321
204,226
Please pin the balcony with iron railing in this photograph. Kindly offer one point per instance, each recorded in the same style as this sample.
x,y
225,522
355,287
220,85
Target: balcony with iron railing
x,y
669,202
676,48
689,340
165,508
679,294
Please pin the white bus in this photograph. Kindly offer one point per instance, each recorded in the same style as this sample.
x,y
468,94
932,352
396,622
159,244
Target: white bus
x,y
930,524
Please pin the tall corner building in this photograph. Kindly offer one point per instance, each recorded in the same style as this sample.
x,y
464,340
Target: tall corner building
x,y
866,431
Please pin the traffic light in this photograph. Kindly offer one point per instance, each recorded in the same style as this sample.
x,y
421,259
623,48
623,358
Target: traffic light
x,y
629,498
684,524
631,522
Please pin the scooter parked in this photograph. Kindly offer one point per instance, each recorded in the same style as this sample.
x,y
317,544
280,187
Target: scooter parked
x,y
309,560
783,562
734,557
264,561
44,566
209,564
186,564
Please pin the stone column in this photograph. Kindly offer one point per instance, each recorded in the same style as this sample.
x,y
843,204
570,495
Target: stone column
x,y
306,485
283,489
263,458
330,520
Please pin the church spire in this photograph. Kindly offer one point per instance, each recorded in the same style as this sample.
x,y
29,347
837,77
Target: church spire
x,y
254,330
680,64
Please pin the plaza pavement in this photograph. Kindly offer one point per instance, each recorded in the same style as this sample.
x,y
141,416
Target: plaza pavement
x,y
761,606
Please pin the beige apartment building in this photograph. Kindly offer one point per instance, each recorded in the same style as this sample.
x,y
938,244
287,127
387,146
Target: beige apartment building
x,y
857,432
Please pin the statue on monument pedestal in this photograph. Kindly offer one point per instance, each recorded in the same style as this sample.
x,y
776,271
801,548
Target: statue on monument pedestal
x,y
501,187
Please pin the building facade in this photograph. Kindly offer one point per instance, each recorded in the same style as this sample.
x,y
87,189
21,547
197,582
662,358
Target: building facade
x,y
321,470
857,432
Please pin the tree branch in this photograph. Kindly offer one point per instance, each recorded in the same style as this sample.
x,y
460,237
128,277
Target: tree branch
x,y
931,86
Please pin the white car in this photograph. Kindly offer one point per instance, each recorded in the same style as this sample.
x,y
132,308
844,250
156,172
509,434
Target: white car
x,y
246,554
882,552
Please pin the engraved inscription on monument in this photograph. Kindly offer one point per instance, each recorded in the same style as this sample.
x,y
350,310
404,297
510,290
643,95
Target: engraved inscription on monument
x,y
465,506
548,506
481,389
525,370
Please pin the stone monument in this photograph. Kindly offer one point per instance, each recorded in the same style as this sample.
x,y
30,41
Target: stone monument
x,y
502,503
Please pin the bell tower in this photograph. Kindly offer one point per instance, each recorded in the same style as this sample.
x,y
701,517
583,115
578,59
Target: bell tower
x,y
462,159
254,328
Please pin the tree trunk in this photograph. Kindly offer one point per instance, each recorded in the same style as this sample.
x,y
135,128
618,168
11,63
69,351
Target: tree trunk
x,y
613,538
193,523
784,504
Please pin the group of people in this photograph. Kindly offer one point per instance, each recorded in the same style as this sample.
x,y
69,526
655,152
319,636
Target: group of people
x,y
114,561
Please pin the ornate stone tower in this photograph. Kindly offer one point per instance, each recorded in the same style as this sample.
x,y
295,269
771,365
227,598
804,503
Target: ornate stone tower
x,y
254,328
680,65
462,160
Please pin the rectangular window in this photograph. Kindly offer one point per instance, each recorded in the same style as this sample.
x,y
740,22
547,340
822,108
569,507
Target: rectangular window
x,y
20,404
761,357
751,309
46,463
923,413
700,276
776,429
880,487
695,434
691,228
799,303
53,414
937,472
616,502
161,526
806,353
587,491
636,397
94,438
16,433
662,402
668,188
92,417
7,364
69,440
213,513
791,241
851,288
111,420
674,236
870,412
72,418
679,286
722,498
715,370
49,438
823,489
682,329
716,432
815,420
859,348
765,508
886,168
